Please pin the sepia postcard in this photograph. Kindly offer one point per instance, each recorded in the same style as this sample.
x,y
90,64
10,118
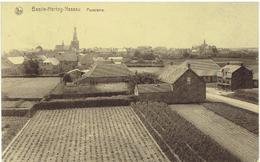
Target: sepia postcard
x,y
129,82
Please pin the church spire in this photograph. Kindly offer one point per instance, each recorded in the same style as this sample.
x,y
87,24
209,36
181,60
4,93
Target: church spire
x,y
75,37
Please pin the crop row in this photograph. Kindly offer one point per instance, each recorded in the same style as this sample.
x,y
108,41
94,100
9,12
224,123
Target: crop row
x,y
186,141
86,134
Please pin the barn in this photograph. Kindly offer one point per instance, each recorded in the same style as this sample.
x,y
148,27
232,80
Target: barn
x,y
154,92
205,68
187,86
232,77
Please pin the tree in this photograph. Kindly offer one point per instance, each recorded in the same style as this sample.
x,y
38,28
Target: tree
x,y
31,67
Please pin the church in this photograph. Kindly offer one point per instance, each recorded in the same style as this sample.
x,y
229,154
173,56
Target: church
x,y
74,44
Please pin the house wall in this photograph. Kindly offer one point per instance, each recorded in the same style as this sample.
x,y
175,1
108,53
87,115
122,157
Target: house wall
x,y
183,92
242,79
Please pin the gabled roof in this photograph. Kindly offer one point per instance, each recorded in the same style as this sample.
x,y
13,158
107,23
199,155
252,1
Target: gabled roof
x,y
152,88
109,70
171,74
203,67
74,70
16,60
229,69
52,61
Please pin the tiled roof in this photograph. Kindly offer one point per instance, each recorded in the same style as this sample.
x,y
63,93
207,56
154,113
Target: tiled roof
x,y
150,88
171,74
203,67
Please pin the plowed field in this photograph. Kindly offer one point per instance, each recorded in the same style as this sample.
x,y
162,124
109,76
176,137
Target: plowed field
x,y
86,134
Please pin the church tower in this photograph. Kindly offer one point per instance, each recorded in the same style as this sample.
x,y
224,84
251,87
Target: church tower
x,y
74,45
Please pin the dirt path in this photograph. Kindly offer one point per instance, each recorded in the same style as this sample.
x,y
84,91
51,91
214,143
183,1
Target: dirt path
x,y
234,138
85,134
214,96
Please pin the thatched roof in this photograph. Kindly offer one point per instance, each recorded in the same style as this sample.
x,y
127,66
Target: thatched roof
x,y
108,70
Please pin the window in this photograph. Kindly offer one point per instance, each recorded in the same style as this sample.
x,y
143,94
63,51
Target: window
x,y
188,80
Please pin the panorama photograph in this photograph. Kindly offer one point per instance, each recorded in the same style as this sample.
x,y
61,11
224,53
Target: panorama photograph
x,y
129,82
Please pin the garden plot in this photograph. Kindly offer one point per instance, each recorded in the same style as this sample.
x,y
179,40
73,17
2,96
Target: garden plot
x,y
86,134
28,87
236,139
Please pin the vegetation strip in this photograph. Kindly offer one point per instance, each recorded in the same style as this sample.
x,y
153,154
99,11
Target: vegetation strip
x,y
241,117
178,132
17,135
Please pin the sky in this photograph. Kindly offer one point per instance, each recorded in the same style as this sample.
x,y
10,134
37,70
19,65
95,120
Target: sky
x,y
173,25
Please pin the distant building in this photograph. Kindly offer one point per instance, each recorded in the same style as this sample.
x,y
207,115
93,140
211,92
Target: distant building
x,y
205,68
85,60
203,49
50,65
232,77
187,86
74,44
68,60
13,65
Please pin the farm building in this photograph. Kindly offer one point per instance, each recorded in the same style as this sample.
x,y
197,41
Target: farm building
x,y
232,77
68,60
187,86
155,92
13,65
75,74
106,73
50,66
205,68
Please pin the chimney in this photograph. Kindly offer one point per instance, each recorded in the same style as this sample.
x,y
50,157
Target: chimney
x,y
242,64
228,63
188,65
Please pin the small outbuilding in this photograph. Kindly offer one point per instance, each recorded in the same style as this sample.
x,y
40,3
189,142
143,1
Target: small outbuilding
x,y
154,92
232,77
187,86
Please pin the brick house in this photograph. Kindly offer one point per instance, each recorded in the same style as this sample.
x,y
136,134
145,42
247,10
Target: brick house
x,y
232,77
187,86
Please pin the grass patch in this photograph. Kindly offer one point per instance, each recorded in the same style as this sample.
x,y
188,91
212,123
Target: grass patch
x,y
241,117
248,95
178,138
10,127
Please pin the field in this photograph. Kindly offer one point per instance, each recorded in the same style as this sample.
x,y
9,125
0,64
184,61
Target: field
x,y
178,138
28,87
248,95
243,118
234,138
10,127
87,134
